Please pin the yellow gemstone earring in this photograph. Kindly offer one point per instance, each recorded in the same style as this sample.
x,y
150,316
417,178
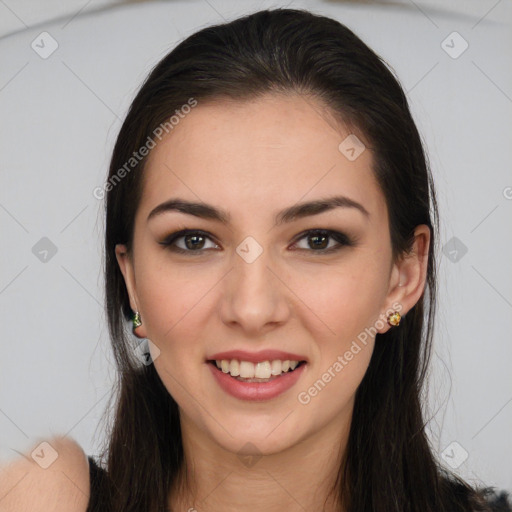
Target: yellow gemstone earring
x,y
394,319
137,322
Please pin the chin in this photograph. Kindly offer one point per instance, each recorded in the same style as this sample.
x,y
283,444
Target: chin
x,y
260,438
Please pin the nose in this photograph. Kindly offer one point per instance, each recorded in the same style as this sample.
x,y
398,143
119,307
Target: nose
x,y
255,297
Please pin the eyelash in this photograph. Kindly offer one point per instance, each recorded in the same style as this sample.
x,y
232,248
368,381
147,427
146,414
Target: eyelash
x,y
341,238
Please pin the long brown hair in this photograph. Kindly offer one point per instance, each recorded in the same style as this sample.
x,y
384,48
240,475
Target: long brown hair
x,y
389,464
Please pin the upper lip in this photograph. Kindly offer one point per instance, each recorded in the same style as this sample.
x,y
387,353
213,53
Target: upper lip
x,y
256,357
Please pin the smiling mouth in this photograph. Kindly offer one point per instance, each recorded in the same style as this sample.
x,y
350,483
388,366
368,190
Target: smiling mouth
x,y
246,371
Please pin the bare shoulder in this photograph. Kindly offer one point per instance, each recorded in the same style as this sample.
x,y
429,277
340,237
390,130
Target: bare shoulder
x,y
53,476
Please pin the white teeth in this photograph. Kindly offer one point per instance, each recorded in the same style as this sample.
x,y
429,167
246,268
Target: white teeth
x,y
246,369
261,370
276,367
234,368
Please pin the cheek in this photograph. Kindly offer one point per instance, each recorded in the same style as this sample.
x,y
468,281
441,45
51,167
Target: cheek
x,y
347,303
170,296
176,305
173,309
344,299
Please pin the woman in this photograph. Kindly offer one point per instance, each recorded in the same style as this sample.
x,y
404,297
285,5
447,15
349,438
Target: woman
x,y
271,229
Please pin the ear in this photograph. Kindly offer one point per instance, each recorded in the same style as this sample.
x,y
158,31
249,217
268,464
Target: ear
x,y
408,277
125,261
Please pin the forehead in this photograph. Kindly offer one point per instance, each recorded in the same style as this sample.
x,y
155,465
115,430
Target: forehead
x,y
258,155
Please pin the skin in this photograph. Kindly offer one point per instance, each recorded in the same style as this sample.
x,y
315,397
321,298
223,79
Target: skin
x,y
253,159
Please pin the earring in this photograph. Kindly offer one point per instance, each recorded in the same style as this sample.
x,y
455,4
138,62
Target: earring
x,y
136,320
394,319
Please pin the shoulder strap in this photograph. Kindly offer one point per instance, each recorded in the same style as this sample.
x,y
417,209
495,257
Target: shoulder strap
x,y
96,476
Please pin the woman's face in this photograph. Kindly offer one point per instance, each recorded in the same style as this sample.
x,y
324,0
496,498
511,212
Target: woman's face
x,y
257,281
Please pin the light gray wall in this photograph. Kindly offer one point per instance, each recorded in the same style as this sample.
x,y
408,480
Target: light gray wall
x,y
59,117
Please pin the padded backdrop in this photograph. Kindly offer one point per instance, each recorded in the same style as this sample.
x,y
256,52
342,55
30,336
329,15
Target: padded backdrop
x,y
65,86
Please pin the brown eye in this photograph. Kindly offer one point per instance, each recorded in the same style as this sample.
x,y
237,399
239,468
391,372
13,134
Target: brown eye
x,y
319,240
193,241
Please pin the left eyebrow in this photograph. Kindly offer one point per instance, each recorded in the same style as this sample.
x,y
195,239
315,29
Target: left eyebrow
x,y
301,210
290,214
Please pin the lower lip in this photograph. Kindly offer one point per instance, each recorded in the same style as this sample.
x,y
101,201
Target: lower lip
x,y
257,391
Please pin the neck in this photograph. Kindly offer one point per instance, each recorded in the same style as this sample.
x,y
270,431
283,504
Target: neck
x,y
295,479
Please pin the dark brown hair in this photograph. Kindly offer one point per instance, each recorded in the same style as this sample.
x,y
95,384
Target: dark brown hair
x,y
389,464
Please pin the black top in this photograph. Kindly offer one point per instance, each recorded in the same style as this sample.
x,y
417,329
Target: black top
x,y
498,502
96,475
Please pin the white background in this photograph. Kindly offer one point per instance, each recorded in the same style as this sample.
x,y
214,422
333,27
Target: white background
x,y
58,120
